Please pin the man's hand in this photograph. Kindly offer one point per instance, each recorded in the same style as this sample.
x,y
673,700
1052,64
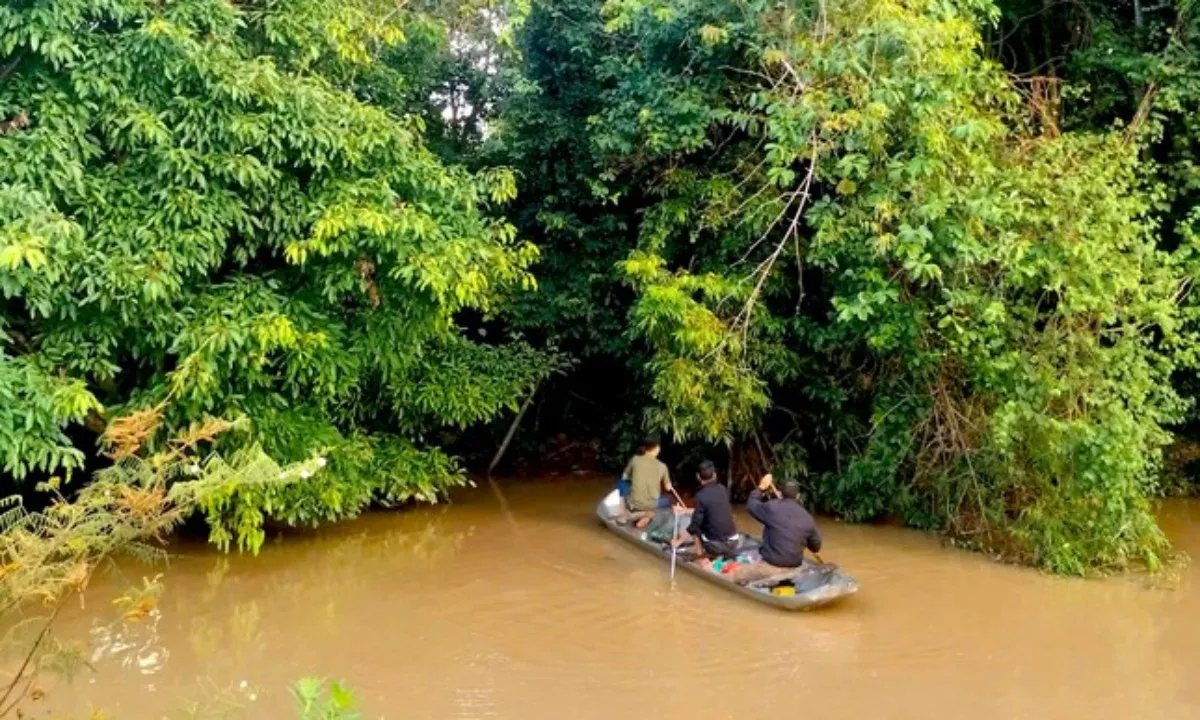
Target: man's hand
x,y
679,509
766,483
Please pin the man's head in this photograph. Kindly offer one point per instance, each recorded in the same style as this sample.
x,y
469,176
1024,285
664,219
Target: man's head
x,y
790,489
706,473
650,446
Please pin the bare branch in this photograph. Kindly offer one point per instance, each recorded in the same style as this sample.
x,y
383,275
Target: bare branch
x,y
800,198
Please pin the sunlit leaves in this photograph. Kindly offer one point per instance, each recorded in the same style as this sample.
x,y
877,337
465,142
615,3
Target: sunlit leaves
x,y
318,699
993,296
214,203
713,34
36,405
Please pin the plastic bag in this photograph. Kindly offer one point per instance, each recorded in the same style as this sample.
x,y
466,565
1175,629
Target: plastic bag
x,y
612,503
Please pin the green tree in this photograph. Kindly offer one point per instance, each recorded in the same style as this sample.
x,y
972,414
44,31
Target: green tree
x,y
852,231
201,203
1128,65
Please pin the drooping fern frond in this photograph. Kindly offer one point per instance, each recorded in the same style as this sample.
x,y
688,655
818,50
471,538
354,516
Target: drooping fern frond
x,y
11,517
128,509
129,434
146,553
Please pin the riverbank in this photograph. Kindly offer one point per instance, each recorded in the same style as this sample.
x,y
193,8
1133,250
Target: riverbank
x,y
528,610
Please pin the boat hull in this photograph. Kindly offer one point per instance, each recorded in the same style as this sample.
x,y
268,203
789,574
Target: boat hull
x,y
825,584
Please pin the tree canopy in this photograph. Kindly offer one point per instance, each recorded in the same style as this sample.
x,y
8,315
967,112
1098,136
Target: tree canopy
x,y
934,257
203,208
856,237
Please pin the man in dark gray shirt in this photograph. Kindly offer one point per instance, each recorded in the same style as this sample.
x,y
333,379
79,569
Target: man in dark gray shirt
x,y
787,530
712,529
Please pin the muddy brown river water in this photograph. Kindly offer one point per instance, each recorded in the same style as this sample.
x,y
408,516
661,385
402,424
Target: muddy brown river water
x,y
528,610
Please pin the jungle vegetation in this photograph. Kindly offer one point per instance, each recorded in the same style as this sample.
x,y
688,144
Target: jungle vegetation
x,y
934,258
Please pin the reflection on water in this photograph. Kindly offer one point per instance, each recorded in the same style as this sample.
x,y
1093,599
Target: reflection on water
x,y
522,607
133,646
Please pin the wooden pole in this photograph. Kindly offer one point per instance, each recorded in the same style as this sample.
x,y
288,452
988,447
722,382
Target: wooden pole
x,y
512,431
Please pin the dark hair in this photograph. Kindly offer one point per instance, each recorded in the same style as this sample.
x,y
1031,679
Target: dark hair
x,y
707,471
790,489
649,443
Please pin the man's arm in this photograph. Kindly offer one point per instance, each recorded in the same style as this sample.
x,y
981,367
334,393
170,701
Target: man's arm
x,y
697,523
756,505
814,540
627,473
666,479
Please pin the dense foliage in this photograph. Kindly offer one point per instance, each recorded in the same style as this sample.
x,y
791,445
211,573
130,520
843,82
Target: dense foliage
x,y
202,205
851,230
934,256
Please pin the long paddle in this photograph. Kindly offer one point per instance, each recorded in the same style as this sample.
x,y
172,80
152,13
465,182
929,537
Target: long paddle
x,y
674,548
675,534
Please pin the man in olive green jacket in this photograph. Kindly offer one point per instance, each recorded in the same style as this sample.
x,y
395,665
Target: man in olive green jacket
x,y
648,478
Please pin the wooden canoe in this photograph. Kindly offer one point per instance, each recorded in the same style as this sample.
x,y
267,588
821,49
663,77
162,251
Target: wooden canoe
x,y
815,585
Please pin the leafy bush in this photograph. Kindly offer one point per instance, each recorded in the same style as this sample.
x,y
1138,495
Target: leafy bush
x,y
856,183
197,204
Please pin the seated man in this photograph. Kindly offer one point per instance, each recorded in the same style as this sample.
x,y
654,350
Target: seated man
x,y
787,530
648,477
711,529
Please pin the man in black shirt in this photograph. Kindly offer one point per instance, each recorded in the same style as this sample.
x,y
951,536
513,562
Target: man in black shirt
x,y
787,530
712,529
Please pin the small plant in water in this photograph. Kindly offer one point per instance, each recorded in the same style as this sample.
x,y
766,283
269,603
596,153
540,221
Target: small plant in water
x,y
319,699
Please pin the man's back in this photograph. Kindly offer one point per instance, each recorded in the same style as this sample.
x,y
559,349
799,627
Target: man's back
x,y
787,529
647,474
713,516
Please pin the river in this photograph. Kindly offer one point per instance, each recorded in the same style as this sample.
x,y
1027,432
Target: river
x,y
520,606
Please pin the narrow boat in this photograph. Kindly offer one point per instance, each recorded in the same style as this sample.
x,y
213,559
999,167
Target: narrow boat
x,y
812,585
